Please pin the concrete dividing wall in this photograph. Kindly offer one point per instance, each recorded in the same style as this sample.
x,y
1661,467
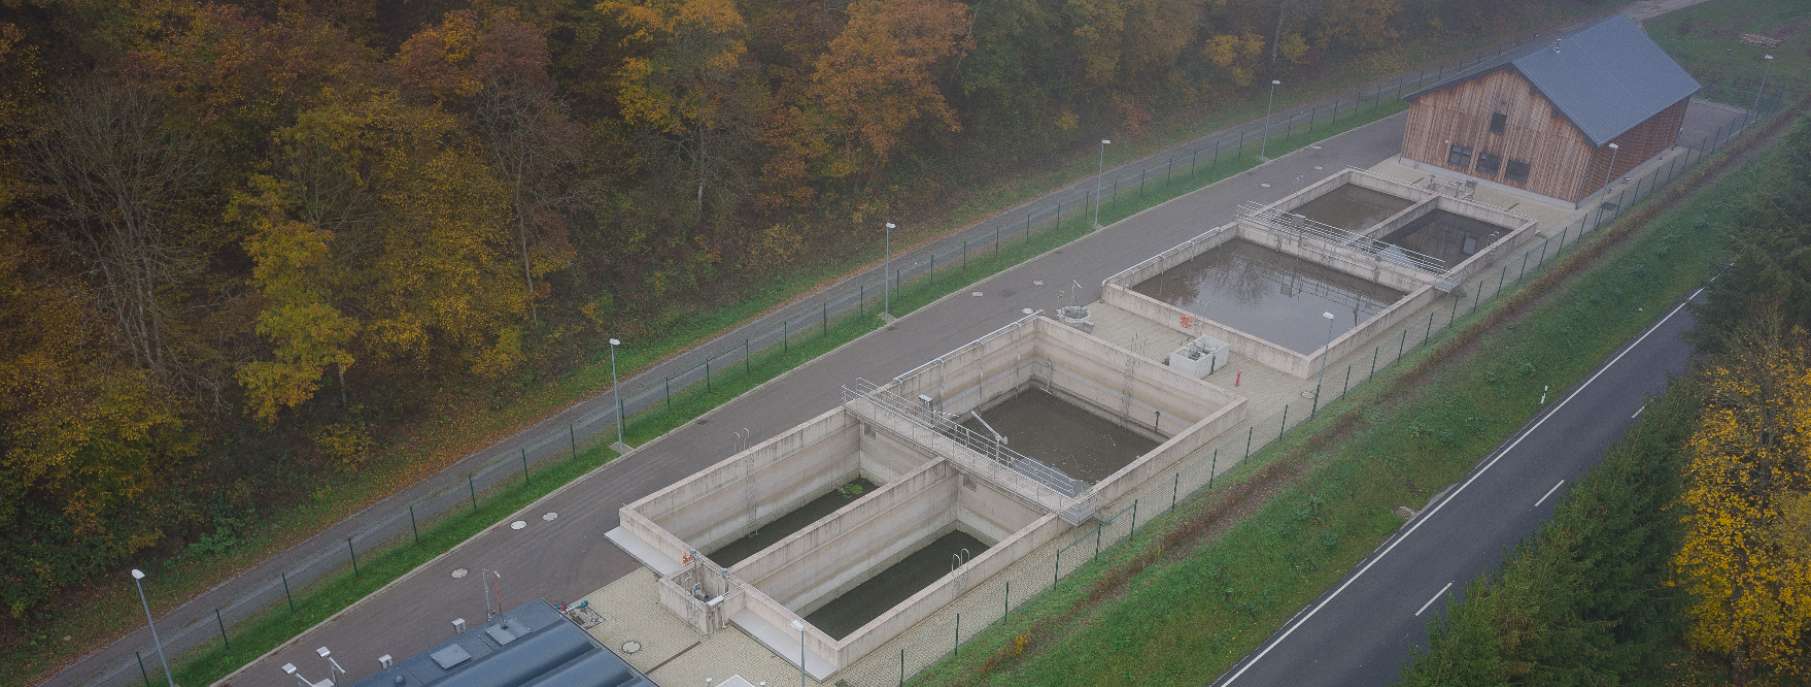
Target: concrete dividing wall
x,y
939,594
734,497
810,567
1339,258
1141,392
1521,230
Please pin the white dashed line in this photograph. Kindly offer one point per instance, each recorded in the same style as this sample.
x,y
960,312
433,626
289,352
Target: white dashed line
x,y
1431,600
1537,504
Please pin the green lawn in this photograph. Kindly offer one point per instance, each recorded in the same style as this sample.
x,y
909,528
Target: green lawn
x,y
1198,607
1707,39
177,580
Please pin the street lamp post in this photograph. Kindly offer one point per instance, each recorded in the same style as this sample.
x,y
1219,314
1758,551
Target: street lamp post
x,y
1766,66
137,576
1264,143
1326,352
1609,172
615,393
886,274
1100,171
796,625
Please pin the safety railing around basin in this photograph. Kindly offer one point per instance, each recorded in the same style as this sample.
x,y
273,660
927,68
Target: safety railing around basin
x,y
1297,225
991,447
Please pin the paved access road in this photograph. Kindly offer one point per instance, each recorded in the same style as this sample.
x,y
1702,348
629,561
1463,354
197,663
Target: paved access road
x,y
568,557
1364,631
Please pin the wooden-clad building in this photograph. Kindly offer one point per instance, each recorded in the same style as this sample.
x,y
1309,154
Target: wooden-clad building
x,y
1544,120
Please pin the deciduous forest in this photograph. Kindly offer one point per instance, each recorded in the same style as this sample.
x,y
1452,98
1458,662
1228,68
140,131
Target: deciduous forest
x,y
244,243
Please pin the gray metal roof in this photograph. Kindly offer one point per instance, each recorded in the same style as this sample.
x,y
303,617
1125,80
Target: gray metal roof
x,y
1605,78
532,645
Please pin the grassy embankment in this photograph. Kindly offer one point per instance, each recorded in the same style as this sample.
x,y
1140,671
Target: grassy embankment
x,y
321,601
1182,600
477,421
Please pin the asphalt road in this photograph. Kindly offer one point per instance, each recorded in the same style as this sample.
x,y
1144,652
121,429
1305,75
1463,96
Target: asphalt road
x,y
568,557
1364,630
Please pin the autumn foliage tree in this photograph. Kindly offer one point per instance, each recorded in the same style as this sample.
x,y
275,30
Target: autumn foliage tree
x,y
1743,558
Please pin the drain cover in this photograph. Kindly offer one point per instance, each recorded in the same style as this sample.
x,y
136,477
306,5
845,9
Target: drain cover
x,y
517,525
631,647
550,516
459,573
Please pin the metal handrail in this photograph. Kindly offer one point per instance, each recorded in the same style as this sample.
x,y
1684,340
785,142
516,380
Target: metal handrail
x,y
992,448
1285,222
1185,245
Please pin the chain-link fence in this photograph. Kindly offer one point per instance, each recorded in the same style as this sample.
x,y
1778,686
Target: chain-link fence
x,y
691,381
942,634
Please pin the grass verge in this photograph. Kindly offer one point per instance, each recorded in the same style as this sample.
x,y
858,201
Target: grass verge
x,y
1200,588
250,640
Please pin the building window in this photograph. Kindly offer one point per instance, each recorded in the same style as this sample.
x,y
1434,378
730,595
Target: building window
x,y
1489,163
1518,171
1498,120
1459,156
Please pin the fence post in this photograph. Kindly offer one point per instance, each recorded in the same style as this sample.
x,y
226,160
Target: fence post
x,y
353,553
1248,432
1524,270
785,336
1134,529
1006,606
1175,489
473,490
745,356
1430,329
1402,345
933,275
956,649
1097,528
707,372
666,386
525,460
1056,570
222,625
1505,274
412,527
1348,385
286,594
573,437
965,246
1374,351
1285,423
1213,466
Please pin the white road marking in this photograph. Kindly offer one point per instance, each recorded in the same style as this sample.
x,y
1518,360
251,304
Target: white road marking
x,y
1537,504
1429,514
1638,411
1432,599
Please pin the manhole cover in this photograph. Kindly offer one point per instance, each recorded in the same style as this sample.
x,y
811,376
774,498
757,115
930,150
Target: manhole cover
x,y
459,573
517,525
1027,311
974,294
1263,185
1037,282
1318,168
631,647
550,516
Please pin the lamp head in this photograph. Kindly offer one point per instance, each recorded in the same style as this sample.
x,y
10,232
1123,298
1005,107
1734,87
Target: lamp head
x,y
1276,82
1106,141
891,225
616,342
1768,57
1327,315
1615,147
323,652
289,669
138,574
796,625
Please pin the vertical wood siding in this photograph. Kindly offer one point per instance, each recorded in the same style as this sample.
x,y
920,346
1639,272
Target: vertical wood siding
x,y
1562,162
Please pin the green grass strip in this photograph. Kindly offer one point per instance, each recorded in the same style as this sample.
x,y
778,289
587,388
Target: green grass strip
x,y
1186,618
254,638
320,601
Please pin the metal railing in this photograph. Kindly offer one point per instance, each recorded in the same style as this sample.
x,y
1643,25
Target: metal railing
x,y
1292,224
991,447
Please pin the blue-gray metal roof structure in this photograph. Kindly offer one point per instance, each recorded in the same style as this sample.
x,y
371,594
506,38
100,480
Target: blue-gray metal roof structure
x,y
1606,78
533,645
